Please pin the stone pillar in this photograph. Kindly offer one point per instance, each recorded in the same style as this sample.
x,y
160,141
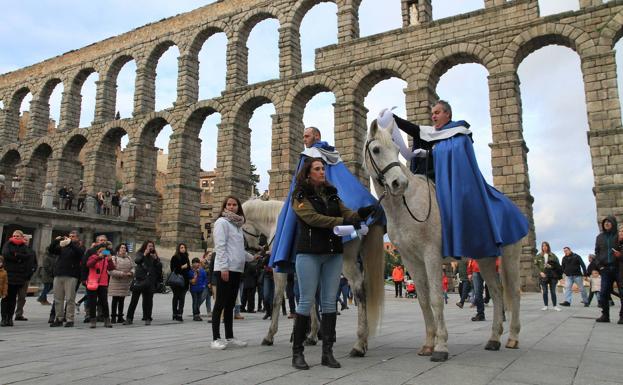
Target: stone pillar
x,y
495,3
509,161
416,12
350,135
42,242
3,191
70,110
590,3
47,197
289,51
87,236
605,132
125,209
145,90
348,22
233,159
287,143
39,117
1,229
187,79
105,100
237,57
182,201
90,205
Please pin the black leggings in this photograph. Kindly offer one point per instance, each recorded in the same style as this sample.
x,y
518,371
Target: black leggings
x,y
551,282
8,303
98,296
148,303
117,306
179,297
225,300
398,287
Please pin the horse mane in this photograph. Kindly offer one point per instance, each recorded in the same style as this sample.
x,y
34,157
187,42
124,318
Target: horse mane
x,y
261,211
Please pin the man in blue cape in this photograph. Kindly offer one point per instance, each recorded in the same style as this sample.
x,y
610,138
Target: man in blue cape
x,y
477,220
350,190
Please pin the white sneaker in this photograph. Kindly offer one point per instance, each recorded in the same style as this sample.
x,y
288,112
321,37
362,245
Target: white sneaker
x,y
236,342
219,344
544,308
557,308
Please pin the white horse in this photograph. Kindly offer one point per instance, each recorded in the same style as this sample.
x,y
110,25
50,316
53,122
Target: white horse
x,y
367,285
414,226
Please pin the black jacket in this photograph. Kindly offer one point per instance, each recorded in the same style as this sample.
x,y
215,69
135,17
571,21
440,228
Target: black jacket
x,y
20,262
573,265
604,243
421,166
177,261
68,260
150,269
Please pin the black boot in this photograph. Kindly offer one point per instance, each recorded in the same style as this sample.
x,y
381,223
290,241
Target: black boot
x,y
328,338
113,319
605,312
301,324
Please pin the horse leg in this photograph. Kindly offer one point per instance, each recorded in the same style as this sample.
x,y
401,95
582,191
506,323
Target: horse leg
x,y
312,337
512,295
421,283
433,274
487,270
355,278
280,284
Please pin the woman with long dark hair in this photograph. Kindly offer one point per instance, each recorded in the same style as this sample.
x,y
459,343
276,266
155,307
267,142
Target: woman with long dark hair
x,y
180,264
230,257
120,279
148,276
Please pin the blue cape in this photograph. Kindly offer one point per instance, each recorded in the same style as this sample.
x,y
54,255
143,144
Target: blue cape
x,y
477,220
351,192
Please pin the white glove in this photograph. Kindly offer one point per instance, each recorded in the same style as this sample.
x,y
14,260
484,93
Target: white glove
x,y
420,153
385,118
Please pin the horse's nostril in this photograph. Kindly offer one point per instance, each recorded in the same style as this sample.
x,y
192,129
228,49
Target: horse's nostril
x,y
395,184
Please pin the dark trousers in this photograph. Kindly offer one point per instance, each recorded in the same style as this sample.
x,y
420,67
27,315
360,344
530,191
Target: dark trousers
x,y
290,293
551,282
269,292
148,303
260,296
478,293
179,298
464,288
224,304
197,297
247,299
8,303
98,296
44,293
80,204
398,287
608,277
117,306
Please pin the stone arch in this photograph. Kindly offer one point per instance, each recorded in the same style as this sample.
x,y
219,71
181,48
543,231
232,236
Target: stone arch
x,y
9,162
156,52
202,36
40,110
612,31
243,110
35,173
307,88
70,166
12,112
193,119
301,7
450,56
151,126
253,18
71,147
543,35
72,99
373,73
107,95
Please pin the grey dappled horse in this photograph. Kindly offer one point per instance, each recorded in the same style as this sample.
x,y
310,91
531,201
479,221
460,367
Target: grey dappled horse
x,y
414,226
367,286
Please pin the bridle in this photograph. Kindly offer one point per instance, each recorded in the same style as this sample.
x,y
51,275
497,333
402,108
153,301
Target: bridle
x,y
380,178
258,235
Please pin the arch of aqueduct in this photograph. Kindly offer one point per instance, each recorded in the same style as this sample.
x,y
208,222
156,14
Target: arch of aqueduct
x,y
499,37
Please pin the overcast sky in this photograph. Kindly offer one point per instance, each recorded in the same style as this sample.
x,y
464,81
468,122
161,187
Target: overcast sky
x,y
554,113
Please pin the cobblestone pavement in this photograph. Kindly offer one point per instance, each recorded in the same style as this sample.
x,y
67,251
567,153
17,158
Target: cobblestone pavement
x,y
565,347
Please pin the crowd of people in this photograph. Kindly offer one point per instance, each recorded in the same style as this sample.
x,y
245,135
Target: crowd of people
x,y
107,203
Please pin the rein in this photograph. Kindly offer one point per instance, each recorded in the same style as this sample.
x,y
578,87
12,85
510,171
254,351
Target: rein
x,y
380,178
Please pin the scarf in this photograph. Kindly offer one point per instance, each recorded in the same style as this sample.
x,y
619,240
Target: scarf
x,y
233,218
17,241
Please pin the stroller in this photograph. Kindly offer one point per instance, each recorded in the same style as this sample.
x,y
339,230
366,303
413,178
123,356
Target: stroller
x,y
411,293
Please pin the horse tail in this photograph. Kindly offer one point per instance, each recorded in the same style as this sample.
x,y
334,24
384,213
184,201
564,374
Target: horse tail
x,y
373,259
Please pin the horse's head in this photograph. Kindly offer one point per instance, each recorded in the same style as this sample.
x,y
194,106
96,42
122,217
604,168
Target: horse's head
x,y
381,159
251,236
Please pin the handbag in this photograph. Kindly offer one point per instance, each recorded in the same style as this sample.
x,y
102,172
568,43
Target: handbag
x,y
139,284
175,280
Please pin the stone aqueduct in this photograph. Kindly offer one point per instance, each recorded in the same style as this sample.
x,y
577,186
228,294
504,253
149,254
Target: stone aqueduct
x,y
499,37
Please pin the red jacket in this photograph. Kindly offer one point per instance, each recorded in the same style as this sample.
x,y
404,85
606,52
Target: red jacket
x,y
444,283
398,274
472,266
103,265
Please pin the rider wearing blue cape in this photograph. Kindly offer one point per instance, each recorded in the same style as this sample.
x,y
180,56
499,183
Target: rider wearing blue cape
x,y
477,220
350,190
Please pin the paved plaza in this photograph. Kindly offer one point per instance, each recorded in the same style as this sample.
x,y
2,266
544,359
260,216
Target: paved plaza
x,y
565,347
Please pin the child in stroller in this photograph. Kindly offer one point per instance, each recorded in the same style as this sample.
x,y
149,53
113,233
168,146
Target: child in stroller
x,y
411,293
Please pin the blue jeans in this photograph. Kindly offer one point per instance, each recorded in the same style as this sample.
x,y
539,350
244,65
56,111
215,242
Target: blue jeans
x,y
315,269
478,285
569,281
207,297
44,293
551,283
197,301
269,292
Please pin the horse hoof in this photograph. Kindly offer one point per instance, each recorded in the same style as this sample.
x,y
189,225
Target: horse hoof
x,y
310,342
439,356
425,351
493,345
512,344
356,353
266,342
